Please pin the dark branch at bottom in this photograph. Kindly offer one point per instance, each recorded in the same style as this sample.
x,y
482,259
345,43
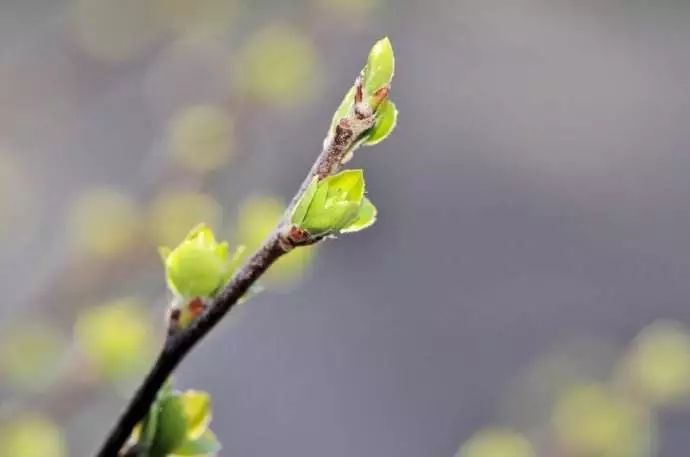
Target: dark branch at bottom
x,y
178,345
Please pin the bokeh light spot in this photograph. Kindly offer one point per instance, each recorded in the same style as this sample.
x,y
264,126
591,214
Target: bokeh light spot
x,y
104,222
589,419
116,337
496,442
30,356
660,362
174,213
32,435
278,65
257,217
201,138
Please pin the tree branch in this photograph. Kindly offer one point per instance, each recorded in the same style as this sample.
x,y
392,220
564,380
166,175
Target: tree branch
x,y
337,146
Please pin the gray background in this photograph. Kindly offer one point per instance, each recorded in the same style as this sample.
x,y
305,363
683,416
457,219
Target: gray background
x,y
535,192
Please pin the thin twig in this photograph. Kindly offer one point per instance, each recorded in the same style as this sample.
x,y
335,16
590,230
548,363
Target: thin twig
x,y
337,146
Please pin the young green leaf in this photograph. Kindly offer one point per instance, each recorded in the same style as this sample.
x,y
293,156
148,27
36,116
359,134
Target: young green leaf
x,y
365,217
304,202
335,203
348,183
378,73
345,107
172,427
331,218
206,444
197,411
380,66
386,119
148,426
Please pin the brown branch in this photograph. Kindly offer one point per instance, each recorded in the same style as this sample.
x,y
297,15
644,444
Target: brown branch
x,y
337,146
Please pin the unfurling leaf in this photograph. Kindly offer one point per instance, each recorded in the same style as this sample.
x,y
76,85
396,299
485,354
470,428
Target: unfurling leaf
x,y
366,216
303,205
386,118
346,105
335,204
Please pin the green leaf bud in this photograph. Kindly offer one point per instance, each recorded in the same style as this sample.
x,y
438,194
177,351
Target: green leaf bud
x,y
199,266
380,66
335,204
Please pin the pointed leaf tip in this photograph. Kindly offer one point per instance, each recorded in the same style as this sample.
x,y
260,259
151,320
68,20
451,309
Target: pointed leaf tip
x,y
164,252
197,410
365,217
380,66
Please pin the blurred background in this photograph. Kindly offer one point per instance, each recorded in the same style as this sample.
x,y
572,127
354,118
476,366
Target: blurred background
x,y
524,293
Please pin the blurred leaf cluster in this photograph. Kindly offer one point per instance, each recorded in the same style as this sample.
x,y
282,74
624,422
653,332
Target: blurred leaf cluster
x,y
587,409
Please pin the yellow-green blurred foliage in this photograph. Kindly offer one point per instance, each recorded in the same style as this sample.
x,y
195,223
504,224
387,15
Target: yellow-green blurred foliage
x,y
278,64
31,355
104,223
592,420
31,436
116,337
257,217
174,213
116,30
496,442
201,138
350,6
659,363
197,16
528,399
